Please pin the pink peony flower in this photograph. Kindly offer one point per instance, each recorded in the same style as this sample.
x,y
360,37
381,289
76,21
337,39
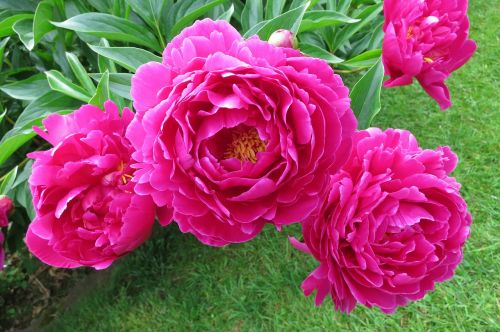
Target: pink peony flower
x,y
6,206
236,133
426,39
86,211
283,38
393,225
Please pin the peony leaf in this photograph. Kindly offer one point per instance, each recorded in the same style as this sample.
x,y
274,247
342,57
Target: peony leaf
x,y
149,10
41,22
32,115
112,28
318,52
18,5
102,92
365,95
252,14
289,21
24,29
274,8
7,23
119,83
317,19
3,44
58,82
80,73
365,17
8,181
364,60
128,57
51,102
186,14
226,16
28,89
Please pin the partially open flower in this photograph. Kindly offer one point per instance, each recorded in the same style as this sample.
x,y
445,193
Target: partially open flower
x,y
426,40
86,210
392,226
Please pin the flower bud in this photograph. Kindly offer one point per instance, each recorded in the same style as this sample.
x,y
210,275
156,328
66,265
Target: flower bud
x,y
6,206
283,38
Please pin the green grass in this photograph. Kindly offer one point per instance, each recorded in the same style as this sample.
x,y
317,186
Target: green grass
x,y
175,283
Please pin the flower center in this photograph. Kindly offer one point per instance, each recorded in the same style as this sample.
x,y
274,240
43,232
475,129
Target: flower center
x,y
245,145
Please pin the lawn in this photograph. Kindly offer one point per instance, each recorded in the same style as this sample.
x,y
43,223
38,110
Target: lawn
x,y
175,283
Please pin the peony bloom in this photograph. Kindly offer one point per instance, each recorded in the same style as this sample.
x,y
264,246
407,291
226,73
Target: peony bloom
x,y
236,133
283,38
86,211
393,225
426,39
6,206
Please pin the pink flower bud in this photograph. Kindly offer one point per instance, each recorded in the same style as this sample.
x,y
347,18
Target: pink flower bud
x,y
6,206
283,38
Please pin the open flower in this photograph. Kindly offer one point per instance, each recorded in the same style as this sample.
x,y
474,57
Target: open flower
x,y
393,225
236,133
426,39
86,211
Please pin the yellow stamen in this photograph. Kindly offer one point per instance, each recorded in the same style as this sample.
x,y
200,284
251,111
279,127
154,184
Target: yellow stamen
x,y
126,178
245,146
428,60
409,34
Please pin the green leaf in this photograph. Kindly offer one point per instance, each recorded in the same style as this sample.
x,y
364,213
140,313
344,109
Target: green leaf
x,y
24,197
10,144
24,30
28,89
112,28
18,5
316,19
149,10
3,44
37,110
104,63
80,73
8,181
252,14
51,102
365,96
377,37
226,16
274,8
24,175
41,22
2,116
102,93
7,23
318,52
187,18
364,60
119,83
128,57
290,21
366,16
58,82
